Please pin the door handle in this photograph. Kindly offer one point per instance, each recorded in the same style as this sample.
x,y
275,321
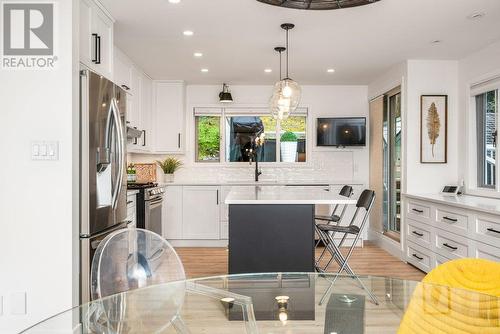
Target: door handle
x,y
144,138
135,138
492,230
125,87
417,233
450,247
217,196
417,257
450,219
179,140
120,150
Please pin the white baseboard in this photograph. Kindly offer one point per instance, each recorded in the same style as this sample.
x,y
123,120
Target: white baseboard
x,y
198,243
391,246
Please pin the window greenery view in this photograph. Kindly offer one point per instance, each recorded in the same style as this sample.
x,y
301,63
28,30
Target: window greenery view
x,y
240,131
208,138
486,129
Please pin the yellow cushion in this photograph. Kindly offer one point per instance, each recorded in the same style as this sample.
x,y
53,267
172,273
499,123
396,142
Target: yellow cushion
x,y
443,303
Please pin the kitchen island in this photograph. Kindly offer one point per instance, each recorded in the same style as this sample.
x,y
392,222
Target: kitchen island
x,y
271,229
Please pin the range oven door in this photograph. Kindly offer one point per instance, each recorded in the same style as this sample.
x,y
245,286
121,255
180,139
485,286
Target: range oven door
x,y
155,247
152,215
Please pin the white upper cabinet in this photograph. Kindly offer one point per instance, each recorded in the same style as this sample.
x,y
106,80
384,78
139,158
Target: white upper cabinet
x,y
96,38
146,112
169,117
122,66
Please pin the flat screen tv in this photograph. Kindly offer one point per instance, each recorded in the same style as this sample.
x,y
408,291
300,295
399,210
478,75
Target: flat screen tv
x,y
341,132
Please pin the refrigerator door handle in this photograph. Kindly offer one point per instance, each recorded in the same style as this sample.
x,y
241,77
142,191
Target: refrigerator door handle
x,y
120,151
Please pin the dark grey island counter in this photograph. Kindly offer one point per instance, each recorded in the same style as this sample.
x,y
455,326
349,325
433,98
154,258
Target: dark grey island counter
x,y
271,229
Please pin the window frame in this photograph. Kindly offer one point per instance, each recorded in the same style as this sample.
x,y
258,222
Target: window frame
x,y
223,113
471,186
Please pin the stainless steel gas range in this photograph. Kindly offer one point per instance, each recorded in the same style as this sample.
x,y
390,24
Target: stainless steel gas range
x,y
149,206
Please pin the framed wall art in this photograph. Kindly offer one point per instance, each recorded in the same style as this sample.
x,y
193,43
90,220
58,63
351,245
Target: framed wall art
x,y
434,129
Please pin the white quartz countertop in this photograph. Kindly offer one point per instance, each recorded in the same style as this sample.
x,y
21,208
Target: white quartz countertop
x,y
489,205
260,183
284,195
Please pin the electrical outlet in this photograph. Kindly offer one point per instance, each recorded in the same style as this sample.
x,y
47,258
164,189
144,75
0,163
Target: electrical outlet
x,y
18,303
45,150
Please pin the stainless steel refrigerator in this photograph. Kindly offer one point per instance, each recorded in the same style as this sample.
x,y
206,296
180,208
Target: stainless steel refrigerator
x,y
103,200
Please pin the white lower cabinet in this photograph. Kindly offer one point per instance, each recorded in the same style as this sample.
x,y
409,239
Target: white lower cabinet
x,y
132,209
435,233
200,213
172,213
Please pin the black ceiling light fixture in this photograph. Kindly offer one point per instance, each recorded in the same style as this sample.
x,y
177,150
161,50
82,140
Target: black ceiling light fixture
x,y
318,4
225,96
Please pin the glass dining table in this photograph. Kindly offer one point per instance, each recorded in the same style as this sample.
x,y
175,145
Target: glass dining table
x,y
285,303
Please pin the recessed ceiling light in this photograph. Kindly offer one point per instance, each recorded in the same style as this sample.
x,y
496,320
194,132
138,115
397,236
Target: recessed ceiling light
x,y
188,33
174,1
204,70
436,41
330,70
268,70
476,15
198,54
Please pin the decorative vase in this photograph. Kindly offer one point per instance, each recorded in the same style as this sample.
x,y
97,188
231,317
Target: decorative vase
x,y
168,178
288,151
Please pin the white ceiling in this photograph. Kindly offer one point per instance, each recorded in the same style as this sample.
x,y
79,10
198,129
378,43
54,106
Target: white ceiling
x,y
237,38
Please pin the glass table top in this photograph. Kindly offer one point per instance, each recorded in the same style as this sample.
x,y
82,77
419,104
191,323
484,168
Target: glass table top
x,y
283,303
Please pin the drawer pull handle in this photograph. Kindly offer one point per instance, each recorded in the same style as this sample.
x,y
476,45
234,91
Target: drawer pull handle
x,y
493,230
417,257
417,233
419,211
450,247
130,202
450,219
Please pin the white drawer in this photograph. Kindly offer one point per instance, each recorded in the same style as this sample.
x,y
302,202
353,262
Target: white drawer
x,y
224,230
487,229
419,211
451,221
484,251
450,245
418,233
419,256
439,260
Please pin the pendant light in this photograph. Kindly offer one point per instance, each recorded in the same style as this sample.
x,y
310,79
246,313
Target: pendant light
x,y
287,92
225,96
275,108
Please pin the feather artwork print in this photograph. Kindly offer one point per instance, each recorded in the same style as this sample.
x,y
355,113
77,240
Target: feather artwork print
x,y
433,125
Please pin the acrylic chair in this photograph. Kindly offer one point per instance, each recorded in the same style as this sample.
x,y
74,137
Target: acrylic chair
x,y
138,285
334,218
364,204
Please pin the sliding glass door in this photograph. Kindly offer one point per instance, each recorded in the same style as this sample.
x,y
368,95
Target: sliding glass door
x,y
392,135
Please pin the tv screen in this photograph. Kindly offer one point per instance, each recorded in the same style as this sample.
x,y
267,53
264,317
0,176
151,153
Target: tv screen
x,y
341,131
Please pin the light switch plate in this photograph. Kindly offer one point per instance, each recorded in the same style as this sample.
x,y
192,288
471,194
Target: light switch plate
x,y
45,150
18,303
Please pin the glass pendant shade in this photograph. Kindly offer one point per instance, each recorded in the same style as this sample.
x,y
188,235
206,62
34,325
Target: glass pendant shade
x,y
285,99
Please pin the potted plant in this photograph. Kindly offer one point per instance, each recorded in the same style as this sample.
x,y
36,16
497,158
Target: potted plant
x,y
169,166
288,147
131,174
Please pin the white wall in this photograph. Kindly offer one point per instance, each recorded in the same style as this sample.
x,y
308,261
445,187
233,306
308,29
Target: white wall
x,y
388,80
37,199
429,77
350,165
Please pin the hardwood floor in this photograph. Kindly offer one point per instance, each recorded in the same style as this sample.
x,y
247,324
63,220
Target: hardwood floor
x,y
369,260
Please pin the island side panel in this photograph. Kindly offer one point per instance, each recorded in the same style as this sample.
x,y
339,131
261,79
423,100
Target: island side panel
x,y
271,238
